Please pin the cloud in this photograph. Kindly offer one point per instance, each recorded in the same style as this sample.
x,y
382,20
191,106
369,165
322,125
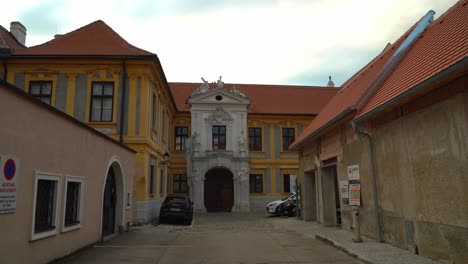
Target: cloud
x,y
41,19
255,41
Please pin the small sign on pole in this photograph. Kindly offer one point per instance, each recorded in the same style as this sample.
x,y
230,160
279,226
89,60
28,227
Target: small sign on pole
x,y
9,180
355,194
353,173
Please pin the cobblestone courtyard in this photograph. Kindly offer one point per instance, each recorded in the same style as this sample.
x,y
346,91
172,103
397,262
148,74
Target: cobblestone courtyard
x,y
213,238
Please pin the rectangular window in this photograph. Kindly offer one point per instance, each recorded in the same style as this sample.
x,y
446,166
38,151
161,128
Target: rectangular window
x,y
256,183
179,183
45,205
255,139
151,180
102,101
286,183
288,137
181,134
219,137
41,90
73,195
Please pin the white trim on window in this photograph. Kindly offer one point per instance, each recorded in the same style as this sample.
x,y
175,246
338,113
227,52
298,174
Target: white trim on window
x,y
80,203
57,178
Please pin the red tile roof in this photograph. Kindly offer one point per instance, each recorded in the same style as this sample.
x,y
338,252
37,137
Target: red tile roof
x,y
351,91
444,43
95,39
8,41
268,99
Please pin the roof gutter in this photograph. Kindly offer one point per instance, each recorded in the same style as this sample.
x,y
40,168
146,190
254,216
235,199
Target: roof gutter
x,y
460,66
322,128
395,59
381,76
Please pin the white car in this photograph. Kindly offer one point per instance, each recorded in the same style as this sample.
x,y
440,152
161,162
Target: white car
x,y
272,208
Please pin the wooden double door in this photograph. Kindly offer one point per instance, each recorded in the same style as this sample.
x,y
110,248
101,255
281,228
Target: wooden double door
x,y
219,190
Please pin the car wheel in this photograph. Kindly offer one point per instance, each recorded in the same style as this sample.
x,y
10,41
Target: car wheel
x,y
277,212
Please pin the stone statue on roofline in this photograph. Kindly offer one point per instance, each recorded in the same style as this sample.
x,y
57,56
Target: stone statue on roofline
x,y
219,83
204,87
235,90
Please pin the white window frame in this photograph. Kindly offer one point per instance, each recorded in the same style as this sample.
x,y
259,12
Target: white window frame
x,y
58,186
80,180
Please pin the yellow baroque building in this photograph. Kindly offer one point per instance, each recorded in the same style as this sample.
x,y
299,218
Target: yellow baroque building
x,y
95,76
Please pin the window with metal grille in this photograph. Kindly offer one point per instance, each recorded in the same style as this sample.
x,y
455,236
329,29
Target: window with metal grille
x,y
288,137
255,139
286,183
72,206
181,134
219,137
256,183
45,205
179,183
41,90
102,101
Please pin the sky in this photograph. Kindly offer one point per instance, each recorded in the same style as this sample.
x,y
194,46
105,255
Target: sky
x,y
290,42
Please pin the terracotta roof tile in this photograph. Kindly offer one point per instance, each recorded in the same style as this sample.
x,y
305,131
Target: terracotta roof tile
x,y
8,41
351,91
444,43
268,99
95,39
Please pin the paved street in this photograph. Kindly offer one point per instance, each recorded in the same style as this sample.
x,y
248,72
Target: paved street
x,y
213,238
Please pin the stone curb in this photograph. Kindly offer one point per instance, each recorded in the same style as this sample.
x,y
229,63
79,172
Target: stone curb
x,y
344,249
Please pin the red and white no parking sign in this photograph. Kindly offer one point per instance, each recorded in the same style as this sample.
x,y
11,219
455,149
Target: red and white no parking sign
x,y
9,174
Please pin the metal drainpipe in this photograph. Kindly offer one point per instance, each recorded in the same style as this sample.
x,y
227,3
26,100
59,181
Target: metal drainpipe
x,y
374,181
122,101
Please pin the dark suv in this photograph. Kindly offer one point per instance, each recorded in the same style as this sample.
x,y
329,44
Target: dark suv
x,y
176,207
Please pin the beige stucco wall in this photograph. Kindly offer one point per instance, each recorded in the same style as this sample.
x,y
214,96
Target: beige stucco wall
x,y
422,171
48,142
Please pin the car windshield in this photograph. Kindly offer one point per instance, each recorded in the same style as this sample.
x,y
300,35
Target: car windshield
x,y
175,200
291,195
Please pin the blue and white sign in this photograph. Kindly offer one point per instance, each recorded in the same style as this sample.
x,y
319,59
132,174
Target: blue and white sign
x,y
9,180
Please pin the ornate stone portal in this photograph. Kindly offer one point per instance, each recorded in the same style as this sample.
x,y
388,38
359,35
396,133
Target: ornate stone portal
x,y
226,109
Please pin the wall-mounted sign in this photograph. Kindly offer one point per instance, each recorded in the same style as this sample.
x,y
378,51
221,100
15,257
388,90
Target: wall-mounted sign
x,y
353,173
355,194
344,192
9,180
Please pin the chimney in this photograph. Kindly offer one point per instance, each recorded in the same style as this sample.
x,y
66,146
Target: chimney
x,y
57,36
18,31
330,82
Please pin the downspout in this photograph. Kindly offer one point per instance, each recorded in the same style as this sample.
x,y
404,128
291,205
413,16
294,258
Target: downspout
x,y
374,180
122,100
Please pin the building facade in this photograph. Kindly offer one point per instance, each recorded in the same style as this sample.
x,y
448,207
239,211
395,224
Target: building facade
x,y
231,141
395,149
54,197
95,76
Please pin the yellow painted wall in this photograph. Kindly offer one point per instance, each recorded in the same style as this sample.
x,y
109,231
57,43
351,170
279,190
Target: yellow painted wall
x,y
143,71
